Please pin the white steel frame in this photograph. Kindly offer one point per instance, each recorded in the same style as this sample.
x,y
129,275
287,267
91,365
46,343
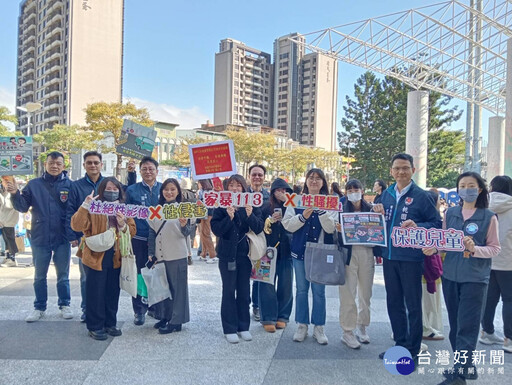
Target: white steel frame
x,y
449,47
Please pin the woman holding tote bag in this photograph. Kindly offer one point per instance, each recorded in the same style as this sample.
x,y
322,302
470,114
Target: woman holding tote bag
x,y
167,242
102,268
307,225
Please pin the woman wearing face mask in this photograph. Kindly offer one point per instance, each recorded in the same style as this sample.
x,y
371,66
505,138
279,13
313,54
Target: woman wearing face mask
x,y
466,273
307,225
358,278
102,268
231,225
170,246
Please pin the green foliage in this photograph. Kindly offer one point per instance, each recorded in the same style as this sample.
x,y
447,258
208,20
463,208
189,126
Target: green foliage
x,y
375,126
69,139
6,116
170,162
445,157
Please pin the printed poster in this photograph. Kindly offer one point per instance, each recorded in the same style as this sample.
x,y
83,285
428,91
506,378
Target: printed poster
x,y
137,141
16,155
264,270
367,229
213,159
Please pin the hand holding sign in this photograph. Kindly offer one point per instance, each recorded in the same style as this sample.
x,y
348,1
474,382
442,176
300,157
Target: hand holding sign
x,y
307,213
231,212
469,244
428,251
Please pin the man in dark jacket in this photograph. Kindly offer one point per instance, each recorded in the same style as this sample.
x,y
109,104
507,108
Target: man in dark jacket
x,y
48,197
404,204
145,193
79,190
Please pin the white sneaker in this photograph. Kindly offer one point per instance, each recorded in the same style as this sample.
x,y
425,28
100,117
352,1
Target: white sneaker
x,y
246,335
9,263
319,335
66,312
36,315
490,339
212,260
232,338
301,333
423,347
507,345
361,335
349,339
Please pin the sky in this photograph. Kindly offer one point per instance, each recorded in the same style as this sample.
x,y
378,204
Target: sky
x,y
170,46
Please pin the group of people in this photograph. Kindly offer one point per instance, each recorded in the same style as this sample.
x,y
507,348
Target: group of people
x,y
472,281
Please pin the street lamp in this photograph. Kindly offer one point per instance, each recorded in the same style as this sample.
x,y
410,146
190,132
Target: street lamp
x,y
30,108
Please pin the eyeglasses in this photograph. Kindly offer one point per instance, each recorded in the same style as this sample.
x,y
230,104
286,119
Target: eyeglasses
x,y
148,170
90,163
398,169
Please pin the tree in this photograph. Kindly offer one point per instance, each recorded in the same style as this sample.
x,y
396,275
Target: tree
x,y
445,157
375,125
106,119
68,139
251,147
6,116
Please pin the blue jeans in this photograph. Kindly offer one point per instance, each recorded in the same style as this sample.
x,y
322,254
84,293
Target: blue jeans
x,y
301,297
276,300
83,289
42,256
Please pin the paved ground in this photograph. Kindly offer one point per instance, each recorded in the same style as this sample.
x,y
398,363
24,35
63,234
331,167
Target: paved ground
x,y
57,351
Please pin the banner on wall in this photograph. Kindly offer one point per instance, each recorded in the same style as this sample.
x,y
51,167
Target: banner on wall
x,y
16,155
213,159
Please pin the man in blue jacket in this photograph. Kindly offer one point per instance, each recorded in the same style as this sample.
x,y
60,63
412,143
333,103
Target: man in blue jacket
x,y
145,193
48,196
404,204
93,165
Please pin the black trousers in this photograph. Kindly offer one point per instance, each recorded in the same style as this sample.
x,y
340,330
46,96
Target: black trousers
x,y
9,237
464,302
176,310
102,288
236,295
140,249
402,280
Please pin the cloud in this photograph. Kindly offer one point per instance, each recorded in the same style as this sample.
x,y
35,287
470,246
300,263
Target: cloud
x,y
186,118
7,99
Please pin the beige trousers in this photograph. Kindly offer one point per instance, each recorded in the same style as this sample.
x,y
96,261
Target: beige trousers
x,y
358,283
432,311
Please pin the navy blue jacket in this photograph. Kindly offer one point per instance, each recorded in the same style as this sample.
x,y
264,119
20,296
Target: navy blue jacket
x,y
415,204
79,191
48,210
141,194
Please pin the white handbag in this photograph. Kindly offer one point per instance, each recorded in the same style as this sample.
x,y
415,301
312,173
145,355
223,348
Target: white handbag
x,y
257,245
103,241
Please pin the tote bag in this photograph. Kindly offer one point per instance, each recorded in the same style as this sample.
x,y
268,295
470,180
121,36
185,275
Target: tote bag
x,y
128,275
325,264
156,283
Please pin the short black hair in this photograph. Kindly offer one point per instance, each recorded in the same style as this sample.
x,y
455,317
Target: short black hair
x,y
103,186
354,184
148,159
403,156
482,202
502,184
260,166
382,184
55,155
92,153
324,190
239,179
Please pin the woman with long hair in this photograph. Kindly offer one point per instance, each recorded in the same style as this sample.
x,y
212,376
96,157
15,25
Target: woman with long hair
x,y
466,273
205,229
378,188
168,243
102,268
230,225
307,225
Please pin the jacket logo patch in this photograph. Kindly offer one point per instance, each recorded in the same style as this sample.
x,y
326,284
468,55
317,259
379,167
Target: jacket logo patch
x,y
64,196
408,201
472,228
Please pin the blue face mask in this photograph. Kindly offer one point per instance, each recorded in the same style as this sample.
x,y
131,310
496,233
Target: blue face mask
x,y
469,195
110,196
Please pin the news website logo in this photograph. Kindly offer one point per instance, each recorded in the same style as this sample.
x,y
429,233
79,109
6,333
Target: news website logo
x,y
398,361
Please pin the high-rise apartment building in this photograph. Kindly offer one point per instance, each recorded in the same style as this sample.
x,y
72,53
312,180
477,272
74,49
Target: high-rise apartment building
x,y
287,87
302,98
319,99
243,85
70,54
